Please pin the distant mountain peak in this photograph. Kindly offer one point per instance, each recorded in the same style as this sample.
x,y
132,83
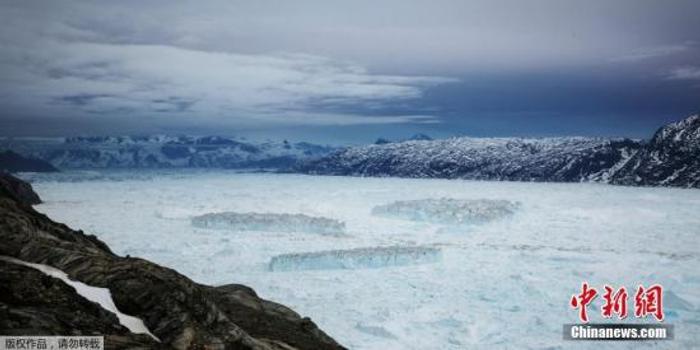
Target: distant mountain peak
x,y
167,151
420,137
13,162
414,137
685,130
671,158
381,141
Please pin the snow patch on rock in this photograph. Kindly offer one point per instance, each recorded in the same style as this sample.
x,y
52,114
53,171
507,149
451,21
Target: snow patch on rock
x,y
101,296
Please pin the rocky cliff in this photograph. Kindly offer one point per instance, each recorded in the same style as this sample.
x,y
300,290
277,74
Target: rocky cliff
x,y
181,313
18,190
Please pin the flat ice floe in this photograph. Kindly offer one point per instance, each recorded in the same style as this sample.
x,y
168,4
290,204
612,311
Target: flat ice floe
x,y
447,210
372,257
269,222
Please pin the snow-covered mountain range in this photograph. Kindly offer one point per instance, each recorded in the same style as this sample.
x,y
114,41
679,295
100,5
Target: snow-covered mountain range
x,y
548,159
670,158
164,152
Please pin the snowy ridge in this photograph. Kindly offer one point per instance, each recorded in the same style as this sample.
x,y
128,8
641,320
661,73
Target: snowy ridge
x,y
162,151
564,159
671,158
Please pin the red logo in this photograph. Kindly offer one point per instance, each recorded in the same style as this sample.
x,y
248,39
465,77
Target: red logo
x,y
582,300
615,302
647,301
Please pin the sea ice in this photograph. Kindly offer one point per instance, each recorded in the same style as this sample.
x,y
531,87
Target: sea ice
x,y
269,222
447,210
506,284
373,257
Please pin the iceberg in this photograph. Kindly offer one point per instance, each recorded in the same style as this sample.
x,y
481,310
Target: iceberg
x,y
371,257
269,222
448,210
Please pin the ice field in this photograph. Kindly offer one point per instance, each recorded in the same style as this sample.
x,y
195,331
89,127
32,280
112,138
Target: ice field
x,y
410,263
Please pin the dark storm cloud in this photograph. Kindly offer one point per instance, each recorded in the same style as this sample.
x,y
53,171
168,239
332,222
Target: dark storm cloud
x,y
173,104
80,99
482,67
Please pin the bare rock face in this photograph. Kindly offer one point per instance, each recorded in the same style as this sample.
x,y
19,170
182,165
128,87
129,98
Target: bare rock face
x,y
34,303
181,313
18,189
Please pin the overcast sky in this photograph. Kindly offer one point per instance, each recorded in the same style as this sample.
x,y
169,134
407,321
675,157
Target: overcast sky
x,y
348,71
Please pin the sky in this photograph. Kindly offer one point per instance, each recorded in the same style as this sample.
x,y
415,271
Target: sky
x,y
348,71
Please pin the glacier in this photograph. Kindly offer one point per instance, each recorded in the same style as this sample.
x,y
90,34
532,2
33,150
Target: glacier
x,y
269,222
372,257
448,210
506,284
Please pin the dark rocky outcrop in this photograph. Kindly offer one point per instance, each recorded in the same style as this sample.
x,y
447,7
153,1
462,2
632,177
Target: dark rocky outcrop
x,y
18,189
183,314
13,162
32,303
265,319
